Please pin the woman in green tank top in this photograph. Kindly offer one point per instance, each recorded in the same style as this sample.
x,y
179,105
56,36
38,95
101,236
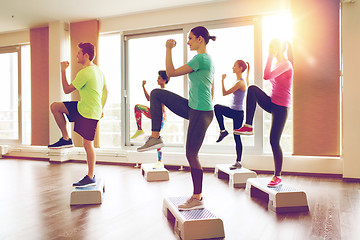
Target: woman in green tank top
x,y
198,109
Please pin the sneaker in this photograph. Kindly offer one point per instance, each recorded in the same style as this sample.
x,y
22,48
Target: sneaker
x,y
62,143
138,133
192,204
151,143
222,135
244,130
275,181
158,165
236,165
85,182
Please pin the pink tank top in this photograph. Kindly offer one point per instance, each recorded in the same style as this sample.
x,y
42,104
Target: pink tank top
x,y
281,79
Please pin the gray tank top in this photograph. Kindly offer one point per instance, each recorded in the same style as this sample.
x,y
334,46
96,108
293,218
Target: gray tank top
x,y
237,102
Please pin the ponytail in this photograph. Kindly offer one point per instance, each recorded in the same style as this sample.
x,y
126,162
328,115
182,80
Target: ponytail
x,y
212,38
289,52
203,32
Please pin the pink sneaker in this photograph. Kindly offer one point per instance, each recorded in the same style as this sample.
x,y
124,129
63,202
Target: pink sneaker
x,y
244,130
275,181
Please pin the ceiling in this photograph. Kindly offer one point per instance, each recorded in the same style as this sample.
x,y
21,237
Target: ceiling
x,y
23,14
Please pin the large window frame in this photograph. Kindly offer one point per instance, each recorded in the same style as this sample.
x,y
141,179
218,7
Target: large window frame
x,y
141,65
17,51
259,144
255,21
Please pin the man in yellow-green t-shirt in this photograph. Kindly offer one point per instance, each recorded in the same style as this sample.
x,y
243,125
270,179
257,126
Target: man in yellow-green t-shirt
x,y
90,82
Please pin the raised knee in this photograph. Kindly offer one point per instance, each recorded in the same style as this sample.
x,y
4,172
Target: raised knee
x,y
251,88
155,92
54,107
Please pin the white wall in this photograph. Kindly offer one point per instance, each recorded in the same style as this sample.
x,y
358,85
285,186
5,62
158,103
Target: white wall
x,y
59,50
351,89
191,14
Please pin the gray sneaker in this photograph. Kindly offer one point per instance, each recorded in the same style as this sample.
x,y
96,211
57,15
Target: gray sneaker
x,y
192,204
151,143
236,165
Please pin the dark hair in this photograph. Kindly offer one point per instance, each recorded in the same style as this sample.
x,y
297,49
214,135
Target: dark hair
x,y
89,49
164,76
242,64
203,32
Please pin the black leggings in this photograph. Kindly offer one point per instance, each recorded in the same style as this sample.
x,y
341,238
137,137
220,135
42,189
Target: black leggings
x,y
279,116
199,122
238,117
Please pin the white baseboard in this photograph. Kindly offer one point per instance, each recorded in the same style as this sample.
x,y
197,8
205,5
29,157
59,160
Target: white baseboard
x,y
300,164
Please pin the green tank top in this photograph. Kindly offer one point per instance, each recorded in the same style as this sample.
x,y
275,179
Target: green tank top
x,y
200,84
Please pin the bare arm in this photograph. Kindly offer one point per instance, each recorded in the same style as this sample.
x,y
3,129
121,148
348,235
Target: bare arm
x,y
68,88
170,69
247,74
104,96
145,92
239,85
212,89
280,68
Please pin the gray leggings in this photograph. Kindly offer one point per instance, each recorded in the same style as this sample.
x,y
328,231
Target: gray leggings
x,y
199,122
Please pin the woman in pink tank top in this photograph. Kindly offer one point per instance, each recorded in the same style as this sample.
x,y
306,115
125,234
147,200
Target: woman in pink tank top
x,y
277,103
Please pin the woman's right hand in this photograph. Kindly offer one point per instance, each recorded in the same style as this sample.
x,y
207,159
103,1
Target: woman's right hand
x,y
143,83
64,65
223,77
170,43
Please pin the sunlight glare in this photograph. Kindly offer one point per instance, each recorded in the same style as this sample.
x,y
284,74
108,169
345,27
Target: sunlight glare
x,y
278,26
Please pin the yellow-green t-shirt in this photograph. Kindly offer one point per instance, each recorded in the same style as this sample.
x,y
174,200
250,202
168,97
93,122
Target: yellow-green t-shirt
x,y
90,82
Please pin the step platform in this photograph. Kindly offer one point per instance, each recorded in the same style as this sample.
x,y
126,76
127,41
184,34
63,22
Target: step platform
x,y
237,177
59,155
88,195
283,198
192,224
153,175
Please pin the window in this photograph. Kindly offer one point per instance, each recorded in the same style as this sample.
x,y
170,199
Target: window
x,y
145,57
110,65
247,40
15,108
232,43
9,109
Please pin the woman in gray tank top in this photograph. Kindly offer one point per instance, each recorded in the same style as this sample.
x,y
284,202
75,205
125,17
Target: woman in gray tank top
x,y
236,108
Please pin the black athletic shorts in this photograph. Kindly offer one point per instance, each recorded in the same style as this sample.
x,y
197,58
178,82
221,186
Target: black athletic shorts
x,y
86,127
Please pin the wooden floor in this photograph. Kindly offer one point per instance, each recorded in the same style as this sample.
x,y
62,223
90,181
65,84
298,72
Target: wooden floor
x,y
35,204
